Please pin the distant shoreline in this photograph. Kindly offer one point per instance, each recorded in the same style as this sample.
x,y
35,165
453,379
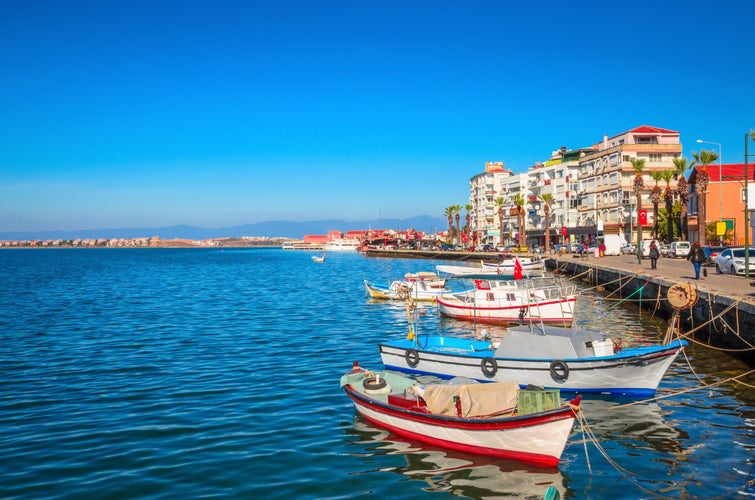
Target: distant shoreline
x,y
149,243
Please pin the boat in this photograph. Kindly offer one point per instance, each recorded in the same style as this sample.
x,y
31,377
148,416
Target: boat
x,y
568,359
512,301
318,258
342,245
504,269
498,420
422,286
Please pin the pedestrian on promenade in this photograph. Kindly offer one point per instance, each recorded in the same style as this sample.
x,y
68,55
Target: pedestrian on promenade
x,y
697,257
654,254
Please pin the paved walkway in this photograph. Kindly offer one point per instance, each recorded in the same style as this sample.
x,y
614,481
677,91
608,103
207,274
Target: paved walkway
x,y
675,270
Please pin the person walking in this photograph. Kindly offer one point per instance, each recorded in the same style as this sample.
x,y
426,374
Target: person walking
x,y
654,254
697,257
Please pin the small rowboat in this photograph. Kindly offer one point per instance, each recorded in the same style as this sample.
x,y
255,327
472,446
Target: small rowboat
x,y
495,419
424,286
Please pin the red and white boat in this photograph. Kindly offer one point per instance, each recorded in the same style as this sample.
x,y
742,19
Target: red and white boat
x,y
512,301
494,419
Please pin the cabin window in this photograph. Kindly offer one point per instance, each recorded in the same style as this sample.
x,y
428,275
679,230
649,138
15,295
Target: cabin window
x,y
510,297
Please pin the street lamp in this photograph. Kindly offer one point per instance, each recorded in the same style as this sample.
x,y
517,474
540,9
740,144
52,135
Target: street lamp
x,y
720,181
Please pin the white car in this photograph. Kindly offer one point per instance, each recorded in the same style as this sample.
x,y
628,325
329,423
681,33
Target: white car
x,y
732,260
679,249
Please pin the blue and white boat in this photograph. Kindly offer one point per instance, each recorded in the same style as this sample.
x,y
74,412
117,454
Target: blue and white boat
x,y
569,359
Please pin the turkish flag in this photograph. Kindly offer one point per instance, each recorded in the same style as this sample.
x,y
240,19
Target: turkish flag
x,y
643,217
517,269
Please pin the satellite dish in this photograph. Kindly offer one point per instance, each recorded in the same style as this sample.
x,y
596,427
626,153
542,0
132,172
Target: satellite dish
x,y
682,296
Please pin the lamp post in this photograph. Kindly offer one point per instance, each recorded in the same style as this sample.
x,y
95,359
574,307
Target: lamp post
x,y
720,180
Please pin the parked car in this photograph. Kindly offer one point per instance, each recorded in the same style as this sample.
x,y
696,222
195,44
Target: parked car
x,y
629,249
732,260
679,249
664,248
711,254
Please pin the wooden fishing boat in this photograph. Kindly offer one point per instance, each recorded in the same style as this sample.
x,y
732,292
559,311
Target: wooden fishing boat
x,y
496,420
504,269
569,359
421,286
512,301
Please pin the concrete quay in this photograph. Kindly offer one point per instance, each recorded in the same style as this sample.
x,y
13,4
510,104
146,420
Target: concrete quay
x,y
725,304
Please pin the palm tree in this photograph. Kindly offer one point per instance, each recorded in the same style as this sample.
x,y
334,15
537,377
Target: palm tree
x,y
519,201
638,164
704,158
449,212
468,207
500,202
457,211
668,196
680,166
655,196
547,199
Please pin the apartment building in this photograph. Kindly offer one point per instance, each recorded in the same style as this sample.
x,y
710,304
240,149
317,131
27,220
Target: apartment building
x,y
495,184
606,180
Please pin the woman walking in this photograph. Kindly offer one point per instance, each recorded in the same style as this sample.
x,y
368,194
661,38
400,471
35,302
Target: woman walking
x,y
697,257
654,254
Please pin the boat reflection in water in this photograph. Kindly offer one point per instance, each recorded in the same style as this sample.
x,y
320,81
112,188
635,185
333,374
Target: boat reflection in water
x,y
458,473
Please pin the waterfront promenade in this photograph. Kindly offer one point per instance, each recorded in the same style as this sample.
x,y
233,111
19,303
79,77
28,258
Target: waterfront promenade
x,y
671,271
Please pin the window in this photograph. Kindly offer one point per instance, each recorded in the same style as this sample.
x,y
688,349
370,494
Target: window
x,y
657,157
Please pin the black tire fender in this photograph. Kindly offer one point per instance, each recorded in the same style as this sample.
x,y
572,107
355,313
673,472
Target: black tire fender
x,y
489,367
412,357
559,370
374,383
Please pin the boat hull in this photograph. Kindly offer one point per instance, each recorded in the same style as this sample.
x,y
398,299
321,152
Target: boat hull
x,y
504,270
420,291
538,439
633,372
558,311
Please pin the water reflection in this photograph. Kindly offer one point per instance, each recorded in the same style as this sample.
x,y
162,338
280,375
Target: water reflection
x,y
457,473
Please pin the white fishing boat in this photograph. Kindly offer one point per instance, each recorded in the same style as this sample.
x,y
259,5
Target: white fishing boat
x,y
488,419
421,286
512,301
569,359
505,269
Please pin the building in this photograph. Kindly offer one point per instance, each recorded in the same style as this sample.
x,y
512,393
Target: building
x,y
485,191
556,177
724,202
606,179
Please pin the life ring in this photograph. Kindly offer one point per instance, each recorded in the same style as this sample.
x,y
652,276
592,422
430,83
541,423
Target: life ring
x,y
559,370
489,367
412,357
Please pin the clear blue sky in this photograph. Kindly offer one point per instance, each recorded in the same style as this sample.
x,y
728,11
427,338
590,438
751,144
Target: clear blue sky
x,y
218,113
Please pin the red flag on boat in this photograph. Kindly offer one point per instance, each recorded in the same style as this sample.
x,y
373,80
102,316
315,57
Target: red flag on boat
x,y
517,269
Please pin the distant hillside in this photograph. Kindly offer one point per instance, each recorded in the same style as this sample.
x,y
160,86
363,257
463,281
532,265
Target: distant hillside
x,y
282,228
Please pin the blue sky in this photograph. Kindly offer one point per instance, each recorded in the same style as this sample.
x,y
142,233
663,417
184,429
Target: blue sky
x,y
148,114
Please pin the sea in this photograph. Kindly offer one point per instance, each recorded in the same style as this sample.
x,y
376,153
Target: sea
x,y
214,373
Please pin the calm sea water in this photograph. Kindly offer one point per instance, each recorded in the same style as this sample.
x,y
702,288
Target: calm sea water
x,y
202,373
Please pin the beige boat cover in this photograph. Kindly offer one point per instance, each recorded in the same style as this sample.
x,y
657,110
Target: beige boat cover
x,y
477,400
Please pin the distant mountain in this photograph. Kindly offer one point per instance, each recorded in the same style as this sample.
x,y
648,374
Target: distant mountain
x,y
281,228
